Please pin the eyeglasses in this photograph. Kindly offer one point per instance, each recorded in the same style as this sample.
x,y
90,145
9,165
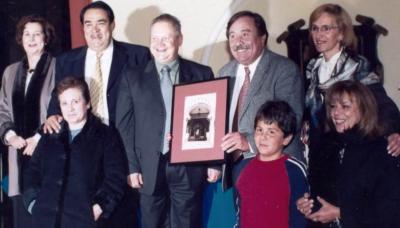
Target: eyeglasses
x,y
323,28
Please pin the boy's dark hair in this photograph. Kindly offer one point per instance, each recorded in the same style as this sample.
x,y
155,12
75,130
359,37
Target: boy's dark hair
x,y
278,112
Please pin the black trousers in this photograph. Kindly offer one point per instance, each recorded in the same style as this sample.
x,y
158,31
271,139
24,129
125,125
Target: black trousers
x,y
125,214
175,203
21,217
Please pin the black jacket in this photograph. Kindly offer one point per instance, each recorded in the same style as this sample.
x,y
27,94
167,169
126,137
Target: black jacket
x,y
364,181
72,63
67,178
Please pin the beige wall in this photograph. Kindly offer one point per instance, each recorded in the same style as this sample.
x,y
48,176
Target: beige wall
x,y
204,21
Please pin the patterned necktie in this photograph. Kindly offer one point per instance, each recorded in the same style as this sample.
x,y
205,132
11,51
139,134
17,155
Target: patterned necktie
x,y
242,96
166,90
96,89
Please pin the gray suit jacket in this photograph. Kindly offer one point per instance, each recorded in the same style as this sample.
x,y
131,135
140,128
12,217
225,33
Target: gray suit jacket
x,y
276,78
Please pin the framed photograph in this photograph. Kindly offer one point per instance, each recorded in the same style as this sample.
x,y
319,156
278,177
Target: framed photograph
x,y
199,121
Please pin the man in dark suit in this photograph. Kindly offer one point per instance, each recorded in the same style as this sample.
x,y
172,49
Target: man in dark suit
x,y
97,19
270,77
106,59
170,194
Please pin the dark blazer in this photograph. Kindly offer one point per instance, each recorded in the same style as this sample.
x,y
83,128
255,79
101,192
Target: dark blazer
x,y
67,178
141,118
72,63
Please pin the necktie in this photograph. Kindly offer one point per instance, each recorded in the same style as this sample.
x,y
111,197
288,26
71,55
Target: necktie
x,y
242,96
166,90
96,89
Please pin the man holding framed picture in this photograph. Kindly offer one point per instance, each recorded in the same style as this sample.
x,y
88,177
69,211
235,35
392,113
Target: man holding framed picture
x,y
170,194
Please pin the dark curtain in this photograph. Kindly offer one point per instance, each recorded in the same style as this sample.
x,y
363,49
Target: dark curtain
x,y
55,11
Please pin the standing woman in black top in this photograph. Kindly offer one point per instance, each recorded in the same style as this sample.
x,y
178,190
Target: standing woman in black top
x,y
24,97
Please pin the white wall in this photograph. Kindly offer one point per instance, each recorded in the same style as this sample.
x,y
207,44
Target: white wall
x,y
204,21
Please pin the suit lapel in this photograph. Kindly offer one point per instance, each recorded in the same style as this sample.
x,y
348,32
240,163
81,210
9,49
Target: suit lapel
x,y
185,75
118,61
151,78
79,62
230,72
232,81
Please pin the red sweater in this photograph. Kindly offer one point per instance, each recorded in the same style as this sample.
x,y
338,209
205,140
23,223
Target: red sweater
x,y
264,193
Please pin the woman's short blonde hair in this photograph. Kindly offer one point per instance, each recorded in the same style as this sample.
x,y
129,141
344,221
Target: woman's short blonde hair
x,y
343,21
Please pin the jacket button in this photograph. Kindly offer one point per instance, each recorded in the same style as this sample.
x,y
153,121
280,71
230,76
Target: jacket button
x,y
59,182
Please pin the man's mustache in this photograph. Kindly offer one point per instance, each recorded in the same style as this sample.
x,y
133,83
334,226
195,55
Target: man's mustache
x,y
241,47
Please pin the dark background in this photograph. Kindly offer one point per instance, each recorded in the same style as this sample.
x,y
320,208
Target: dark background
x,y
55,11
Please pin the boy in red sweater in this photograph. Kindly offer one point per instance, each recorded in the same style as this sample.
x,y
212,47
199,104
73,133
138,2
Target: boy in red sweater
x,y
269,183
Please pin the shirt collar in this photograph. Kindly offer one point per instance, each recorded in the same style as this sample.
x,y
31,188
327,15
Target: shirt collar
x,y
107,52
332,61
252,67
172,65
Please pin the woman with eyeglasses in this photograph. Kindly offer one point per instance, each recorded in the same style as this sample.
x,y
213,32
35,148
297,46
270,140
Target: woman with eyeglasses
x,y
332,34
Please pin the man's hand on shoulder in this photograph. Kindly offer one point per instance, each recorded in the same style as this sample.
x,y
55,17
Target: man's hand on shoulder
x,y
52,124
135,180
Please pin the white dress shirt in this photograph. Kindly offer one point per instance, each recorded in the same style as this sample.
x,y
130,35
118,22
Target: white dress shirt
x,y
240,73
90,69
28,80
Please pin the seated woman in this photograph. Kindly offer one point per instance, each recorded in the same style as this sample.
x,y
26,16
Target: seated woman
x,y
331,32
77,175
355,180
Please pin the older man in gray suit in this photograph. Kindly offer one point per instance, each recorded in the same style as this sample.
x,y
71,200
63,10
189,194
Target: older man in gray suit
x,y
258,75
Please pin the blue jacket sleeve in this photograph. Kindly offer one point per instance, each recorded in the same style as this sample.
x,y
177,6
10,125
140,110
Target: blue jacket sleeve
x,y
298,186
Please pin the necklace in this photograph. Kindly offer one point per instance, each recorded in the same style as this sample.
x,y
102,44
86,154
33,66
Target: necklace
x,y
341,155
